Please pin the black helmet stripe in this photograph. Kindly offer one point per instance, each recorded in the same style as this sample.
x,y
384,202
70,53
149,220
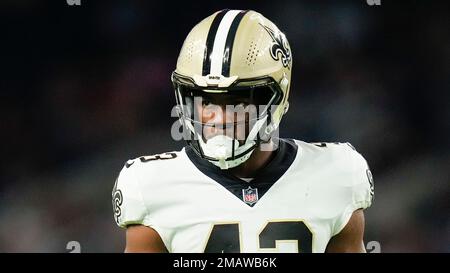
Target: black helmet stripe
x,y
219,42
210,41
229,43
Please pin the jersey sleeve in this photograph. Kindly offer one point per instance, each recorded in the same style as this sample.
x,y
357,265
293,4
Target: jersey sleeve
x,y
127,201
361,188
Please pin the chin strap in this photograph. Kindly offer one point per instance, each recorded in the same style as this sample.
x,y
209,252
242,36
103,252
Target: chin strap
x,y
221,147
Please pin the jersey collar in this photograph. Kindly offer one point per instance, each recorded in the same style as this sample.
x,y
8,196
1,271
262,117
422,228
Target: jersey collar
x,y
263,181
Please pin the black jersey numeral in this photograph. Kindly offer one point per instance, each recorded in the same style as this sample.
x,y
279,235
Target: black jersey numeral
x,y
289,231
145,159
164,156
225,238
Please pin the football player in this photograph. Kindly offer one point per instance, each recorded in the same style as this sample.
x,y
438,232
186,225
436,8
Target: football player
x,y
236,187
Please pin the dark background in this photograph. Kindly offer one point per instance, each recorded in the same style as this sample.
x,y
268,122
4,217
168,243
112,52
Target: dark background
x,y
84,88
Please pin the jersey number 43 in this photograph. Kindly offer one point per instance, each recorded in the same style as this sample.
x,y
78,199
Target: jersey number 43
x,y
225,238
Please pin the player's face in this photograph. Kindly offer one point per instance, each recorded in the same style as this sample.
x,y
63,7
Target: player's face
x,y
232,113
225,114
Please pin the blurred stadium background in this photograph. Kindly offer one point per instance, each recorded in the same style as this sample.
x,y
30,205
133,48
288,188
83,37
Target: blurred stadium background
x,y
84,88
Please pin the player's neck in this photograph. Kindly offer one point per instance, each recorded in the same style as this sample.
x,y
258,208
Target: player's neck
x,y
258,160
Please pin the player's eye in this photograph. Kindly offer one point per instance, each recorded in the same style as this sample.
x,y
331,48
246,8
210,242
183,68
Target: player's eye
x,y
205,102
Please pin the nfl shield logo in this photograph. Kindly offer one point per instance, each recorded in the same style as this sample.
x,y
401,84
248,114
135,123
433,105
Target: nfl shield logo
x,y
250,195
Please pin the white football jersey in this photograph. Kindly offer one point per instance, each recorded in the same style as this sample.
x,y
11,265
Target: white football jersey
x,y
305,196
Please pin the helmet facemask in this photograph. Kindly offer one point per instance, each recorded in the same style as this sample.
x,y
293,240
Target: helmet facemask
x,y
225,125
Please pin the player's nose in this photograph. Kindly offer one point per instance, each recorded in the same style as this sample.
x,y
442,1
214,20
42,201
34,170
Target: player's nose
x,y
218,114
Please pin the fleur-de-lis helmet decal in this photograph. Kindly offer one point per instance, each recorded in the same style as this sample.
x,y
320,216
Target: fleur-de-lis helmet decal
x,y
280,46
117,199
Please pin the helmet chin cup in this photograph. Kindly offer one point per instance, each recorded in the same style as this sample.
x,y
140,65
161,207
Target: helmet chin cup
x,y
222,149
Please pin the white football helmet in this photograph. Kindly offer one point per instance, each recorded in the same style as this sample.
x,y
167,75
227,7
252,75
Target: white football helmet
x,y
233,52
